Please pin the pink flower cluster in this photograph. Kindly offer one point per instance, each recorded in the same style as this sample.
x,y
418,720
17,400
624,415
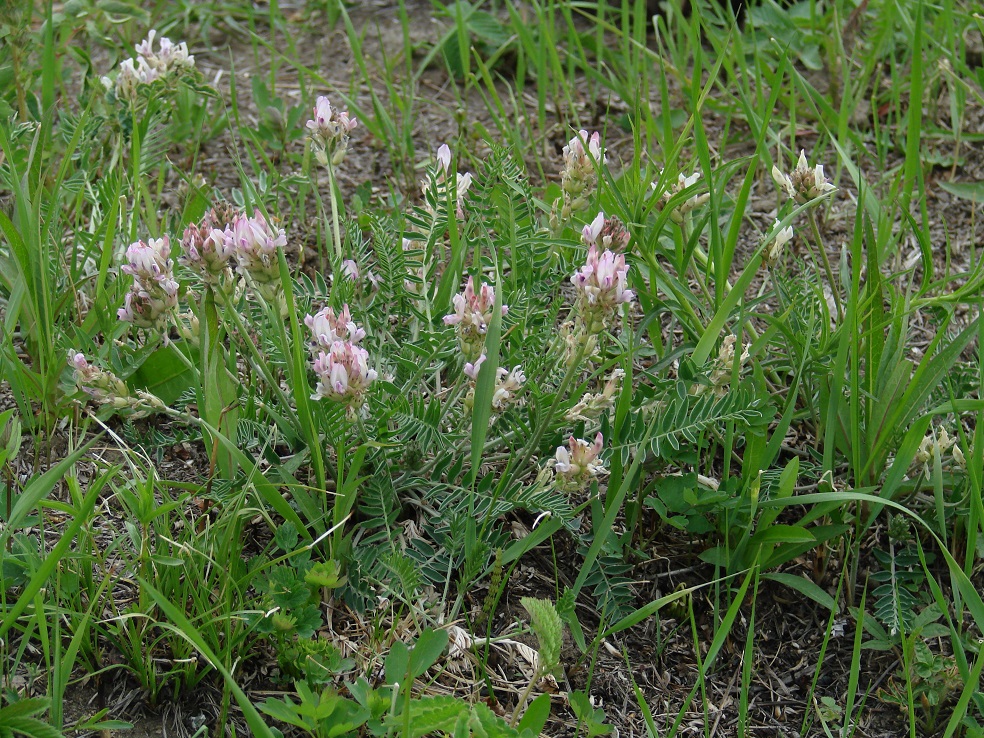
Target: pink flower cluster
x,y
153,295
578,463
507,383
254,242
601,288
341,365
329,131
327,328
343,374
472,315
207,249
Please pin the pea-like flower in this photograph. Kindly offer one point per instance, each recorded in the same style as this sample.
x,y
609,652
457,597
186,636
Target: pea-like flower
x,y
593,405
207,250
254,242
606,233
601,288
583,154
343,374
169,56
803,183
329,131
438,189
105,388
327,328
720,377
149,65
680,210
507,386
782,237
932,444
578,463
153,296
472,315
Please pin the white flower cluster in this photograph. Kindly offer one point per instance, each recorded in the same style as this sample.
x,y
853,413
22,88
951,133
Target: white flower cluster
x,y
149,65
442,177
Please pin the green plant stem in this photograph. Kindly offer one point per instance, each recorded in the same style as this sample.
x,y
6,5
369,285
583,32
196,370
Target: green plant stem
x,y
572,370
336,231
339,509
818,242
521,702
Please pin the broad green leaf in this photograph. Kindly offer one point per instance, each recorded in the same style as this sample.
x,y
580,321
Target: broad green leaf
x,y
428,649
165,374
805,587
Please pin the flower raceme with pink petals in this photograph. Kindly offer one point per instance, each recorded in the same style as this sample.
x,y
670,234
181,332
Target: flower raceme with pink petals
x,y
105,388
254,242
207,250
343,374
579,176
327,328
601,288
329,131
472,315
578,463
149,65
153,296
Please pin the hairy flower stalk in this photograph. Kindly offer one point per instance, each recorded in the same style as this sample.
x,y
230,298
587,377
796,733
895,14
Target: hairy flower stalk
x,y
679,212
601,288
578,464
435,189
105,388
153,296
472,315
803,183
149,65
329,132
